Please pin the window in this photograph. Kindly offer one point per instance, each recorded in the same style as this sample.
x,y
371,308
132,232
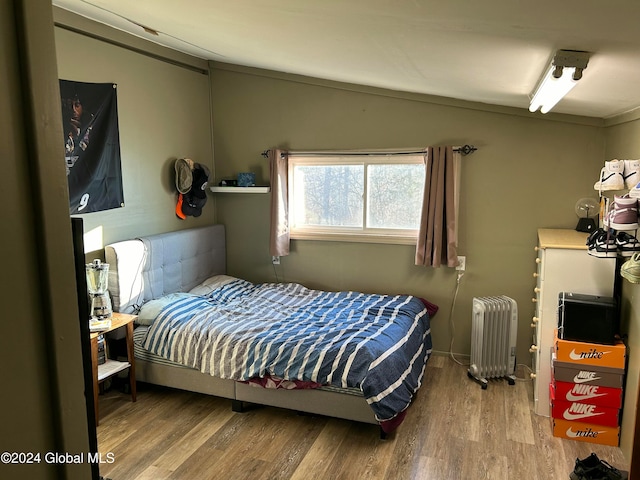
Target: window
x,y
374,198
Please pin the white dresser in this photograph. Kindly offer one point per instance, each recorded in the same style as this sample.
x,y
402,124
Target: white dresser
x,y
563,265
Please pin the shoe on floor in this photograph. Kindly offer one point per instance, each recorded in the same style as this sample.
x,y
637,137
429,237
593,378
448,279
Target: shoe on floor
x,y
611,473
611,176
586,469
592,468
631,269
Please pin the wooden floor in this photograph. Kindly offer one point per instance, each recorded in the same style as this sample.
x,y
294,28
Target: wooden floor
x,y
454,430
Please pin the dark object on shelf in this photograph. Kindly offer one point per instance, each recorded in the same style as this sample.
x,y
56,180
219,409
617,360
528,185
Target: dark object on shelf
x,y
228,183
246,179
587,318
586,225
587,210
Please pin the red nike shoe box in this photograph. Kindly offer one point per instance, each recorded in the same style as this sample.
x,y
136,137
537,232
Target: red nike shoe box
x,y
589,394
586,432
585,413
593,354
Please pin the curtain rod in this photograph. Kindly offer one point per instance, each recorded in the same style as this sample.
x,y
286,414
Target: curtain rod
x,y
465,150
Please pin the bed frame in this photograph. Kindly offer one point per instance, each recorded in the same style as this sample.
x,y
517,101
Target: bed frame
x,y
149,267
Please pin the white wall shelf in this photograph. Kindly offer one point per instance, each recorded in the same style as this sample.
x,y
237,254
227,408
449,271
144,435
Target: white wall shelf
x,y
240,189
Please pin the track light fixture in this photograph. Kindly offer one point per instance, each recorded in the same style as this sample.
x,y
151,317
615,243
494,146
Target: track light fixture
x,y
559,78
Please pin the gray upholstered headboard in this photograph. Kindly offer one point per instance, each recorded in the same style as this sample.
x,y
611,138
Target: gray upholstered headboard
x,y
149,267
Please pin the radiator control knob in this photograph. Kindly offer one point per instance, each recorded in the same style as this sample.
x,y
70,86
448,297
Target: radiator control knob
x,y
534,348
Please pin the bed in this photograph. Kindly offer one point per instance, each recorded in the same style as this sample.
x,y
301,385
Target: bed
x,y
348,355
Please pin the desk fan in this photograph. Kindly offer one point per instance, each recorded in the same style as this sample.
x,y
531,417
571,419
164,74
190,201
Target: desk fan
x,y
587,211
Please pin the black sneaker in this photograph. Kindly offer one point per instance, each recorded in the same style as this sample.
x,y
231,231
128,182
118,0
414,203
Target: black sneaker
x,y
587,469
611,473
591,239
602,243
627,244
592,468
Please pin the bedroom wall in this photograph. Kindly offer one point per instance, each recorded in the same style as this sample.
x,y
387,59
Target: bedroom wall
x,y
163,114
623,142
528,173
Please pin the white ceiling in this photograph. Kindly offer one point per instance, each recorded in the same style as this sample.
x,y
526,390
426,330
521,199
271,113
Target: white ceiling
x,y
490,51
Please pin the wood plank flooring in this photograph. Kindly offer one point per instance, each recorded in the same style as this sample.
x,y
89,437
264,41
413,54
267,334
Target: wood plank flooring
x,y
454,430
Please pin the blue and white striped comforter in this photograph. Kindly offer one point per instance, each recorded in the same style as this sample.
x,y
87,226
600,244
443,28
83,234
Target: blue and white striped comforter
x,y
378,343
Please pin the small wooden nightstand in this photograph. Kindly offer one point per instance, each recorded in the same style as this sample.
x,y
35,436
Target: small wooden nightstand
x,y
111,367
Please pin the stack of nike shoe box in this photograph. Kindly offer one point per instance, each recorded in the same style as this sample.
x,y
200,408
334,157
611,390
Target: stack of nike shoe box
x,y
589,362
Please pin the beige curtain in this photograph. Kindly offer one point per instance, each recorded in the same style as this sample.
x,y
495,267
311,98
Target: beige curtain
x,y
279,236
438,236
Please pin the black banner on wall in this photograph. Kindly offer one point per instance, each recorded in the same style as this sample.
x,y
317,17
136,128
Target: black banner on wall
x,y
92,146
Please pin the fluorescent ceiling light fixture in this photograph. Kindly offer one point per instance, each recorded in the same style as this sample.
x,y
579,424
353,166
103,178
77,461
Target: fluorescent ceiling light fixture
x,y
561,76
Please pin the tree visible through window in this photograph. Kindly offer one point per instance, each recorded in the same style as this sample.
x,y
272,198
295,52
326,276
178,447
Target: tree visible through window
x,y
364,196
395,195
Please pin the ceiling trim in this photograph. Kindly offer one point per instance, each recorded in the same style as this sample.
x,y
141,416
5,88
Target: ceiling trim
x,y
626,117
75,23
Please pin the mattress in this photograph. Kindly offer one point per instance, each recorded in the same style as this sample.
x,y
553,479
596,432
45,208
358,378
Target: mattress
x,y
140,333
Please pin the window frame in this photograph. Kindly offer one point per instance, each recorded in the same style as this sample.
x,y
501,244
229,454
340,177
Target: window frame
x,y
351,234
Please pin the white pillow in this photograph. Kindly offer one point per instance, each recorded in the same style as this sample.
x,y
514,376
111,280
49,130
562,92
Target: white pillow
x,y
150,310
211,283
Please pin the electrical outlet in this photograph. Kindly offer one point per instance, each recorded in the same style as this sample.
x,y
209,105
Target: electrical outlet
x,y
462,263
275,260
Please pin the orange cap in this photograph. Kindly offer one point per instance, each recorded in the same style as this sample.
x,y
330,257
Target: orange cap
x,y
179,208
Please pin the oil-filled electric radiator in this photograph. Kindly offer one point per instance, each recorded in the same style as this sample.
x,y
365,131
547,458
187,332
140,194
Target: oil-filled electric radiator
x,y
494,330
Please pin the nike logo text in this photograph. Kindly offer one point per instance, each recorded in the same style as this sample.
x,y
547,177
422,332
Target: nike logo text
x,y
578,411
583,377
588,433
583,392
593,353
